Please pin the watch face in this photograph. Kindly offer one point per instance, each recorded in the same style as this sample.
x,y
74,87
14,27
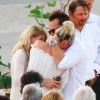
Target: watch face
x,y
53,42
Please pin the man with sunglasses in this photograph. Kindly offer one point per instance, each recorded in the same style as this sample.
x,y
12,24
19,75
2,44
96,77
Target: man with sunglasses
x,y
55,20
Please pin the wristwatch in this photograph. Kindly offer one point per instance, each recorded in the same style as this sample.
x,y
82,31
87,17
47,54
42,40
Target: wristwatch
x,y
52,42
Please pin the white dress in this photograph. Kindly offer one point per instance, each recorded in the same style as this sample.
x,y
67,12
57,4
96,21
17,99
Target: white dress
x,y
44,63
19,63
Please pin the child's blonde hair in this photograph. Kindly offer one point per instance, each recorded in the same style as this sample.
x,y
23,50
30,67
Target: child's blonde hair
x,y
53,95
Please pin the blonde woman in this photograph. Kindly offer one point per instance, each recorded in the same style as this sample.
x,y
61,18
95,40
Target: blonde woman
x,y
53,95
19,61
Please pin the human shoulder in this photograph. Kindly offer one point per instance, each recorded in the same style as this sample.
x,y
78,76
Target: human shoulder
x,y
76,45
20,53
94,15
77,48
94,18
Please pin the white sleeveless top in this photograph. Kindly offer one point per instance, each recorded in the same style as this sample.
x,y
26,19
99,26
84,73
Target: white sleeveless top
x,y
44,63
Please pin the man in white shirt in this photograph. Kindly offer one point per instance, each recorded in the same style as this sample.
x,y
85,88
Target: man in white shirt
x,y
95,21
90,32
86,31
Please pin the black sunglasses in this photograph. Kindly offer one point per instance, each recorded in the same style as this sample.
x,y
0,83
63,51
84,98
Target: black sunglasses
x,y
52,31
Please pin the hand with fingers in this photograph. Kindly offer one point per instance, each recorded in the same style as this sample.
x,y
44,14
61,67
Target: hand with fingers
x,y
51,83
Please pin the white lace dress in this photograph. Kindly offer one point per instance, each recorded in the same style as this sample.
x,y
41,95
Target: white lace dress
x,y
44,63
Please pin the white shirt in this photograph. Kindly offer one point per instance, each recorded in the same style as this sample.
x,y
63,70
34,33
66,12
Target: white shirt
x,y
94,22
19,63
88,39
76,60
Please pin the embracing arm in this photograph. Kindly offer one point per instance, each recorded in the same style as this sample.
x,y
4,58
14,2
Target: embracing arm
x,y
57,53
51,83
68,59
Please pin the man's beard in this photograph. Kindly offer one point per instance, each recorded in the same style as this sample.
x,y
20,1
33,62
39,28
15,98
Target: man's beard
x,y
81,23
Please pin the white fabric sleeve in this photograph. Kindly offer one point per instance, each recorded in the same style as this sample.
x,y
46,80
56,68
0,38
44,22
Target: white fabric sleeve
x,y
97,61
71,57
19,66
97,40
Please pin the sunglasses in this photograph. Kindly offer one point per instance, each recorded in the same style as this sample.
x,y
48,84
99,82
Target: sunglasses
x,y
52,31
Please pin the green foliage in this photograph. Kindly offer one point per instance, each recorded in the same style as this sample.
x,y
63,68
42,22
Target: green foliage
x,y
5,79
38,12
35,13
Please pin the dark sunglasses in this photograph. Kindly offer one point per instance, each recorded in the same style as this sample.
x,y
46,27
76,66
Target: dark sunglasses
x,y
52,31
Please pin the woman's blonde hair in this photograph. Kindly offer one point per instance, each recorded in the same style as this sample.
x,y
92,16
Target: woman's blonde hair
x,y
25,38
66,32
53,95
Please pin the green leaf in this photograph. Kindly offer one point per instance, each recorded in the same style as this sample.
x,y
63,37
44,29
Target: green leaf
x,y
52,3
35,10
46,15
35,13
5,81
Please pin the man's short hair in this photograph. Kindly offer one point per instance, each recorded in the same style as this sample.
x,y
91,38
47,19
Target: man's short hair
x,y
31,77
61,16
73,5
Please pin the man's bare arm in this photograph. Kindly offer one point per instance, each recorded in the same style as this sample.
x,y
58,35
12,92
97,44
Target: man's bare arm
x,y
57,53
